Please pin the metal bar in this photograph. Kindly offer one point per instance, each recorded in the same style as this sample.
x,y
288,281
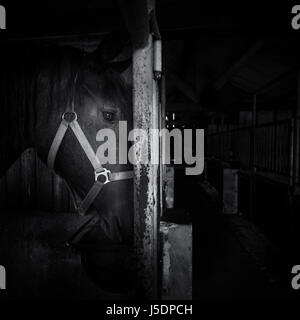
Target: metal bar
x,y
292,155
162,125
253,158
275,141
296,139
297,134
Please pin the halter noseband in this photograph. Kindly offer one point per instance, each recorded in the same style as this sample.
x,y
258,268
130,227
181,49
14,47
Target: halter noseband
x,y
99,171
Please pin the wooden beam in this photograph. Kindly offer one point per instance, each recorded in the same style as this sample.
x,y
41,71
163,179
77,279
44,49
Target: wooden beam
x,y
146,175
275,81
183,107
182,86
219,83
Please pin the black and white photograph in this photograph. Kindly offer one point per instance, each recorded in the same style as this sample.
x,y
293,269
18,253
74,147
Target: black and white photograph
x,y
149,152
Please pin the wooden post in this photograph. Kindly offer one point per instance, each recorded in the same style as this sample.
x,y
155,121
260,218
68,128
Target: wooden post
x,y
146,179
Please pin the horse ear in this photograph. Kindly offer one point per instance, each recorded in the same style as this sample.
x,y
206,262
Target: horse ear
x,y
120,66
111,46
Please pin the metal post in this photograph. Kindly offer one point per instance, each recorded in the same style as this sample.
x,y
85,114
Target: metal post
x,y
162,125
146,180
292,149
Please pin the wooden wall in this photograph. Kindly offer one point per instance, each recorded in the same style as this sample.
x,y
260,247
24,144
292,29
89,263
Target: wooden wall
x,y
30,185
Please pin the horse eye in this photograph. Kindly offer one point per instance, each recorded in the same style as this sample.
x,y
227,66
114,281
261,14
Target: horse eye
x,y
108,116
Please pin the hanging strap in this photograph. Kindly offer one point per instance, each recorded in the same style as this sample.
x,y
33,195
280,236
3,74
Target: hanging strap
x,y
62,129
85,145
97,187
90,197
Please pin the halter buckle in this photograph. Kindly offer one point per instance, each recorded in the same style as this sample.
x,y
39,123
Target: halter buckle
x,y
104,172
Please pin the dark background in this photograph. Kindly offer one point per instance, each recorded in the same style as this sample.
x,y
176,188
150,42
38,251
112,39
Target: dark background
x,y
217,57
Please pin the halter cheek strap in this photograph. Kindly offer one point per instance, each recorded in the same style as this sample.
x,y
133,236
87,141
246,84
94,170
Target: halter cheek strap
x,y
102,175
